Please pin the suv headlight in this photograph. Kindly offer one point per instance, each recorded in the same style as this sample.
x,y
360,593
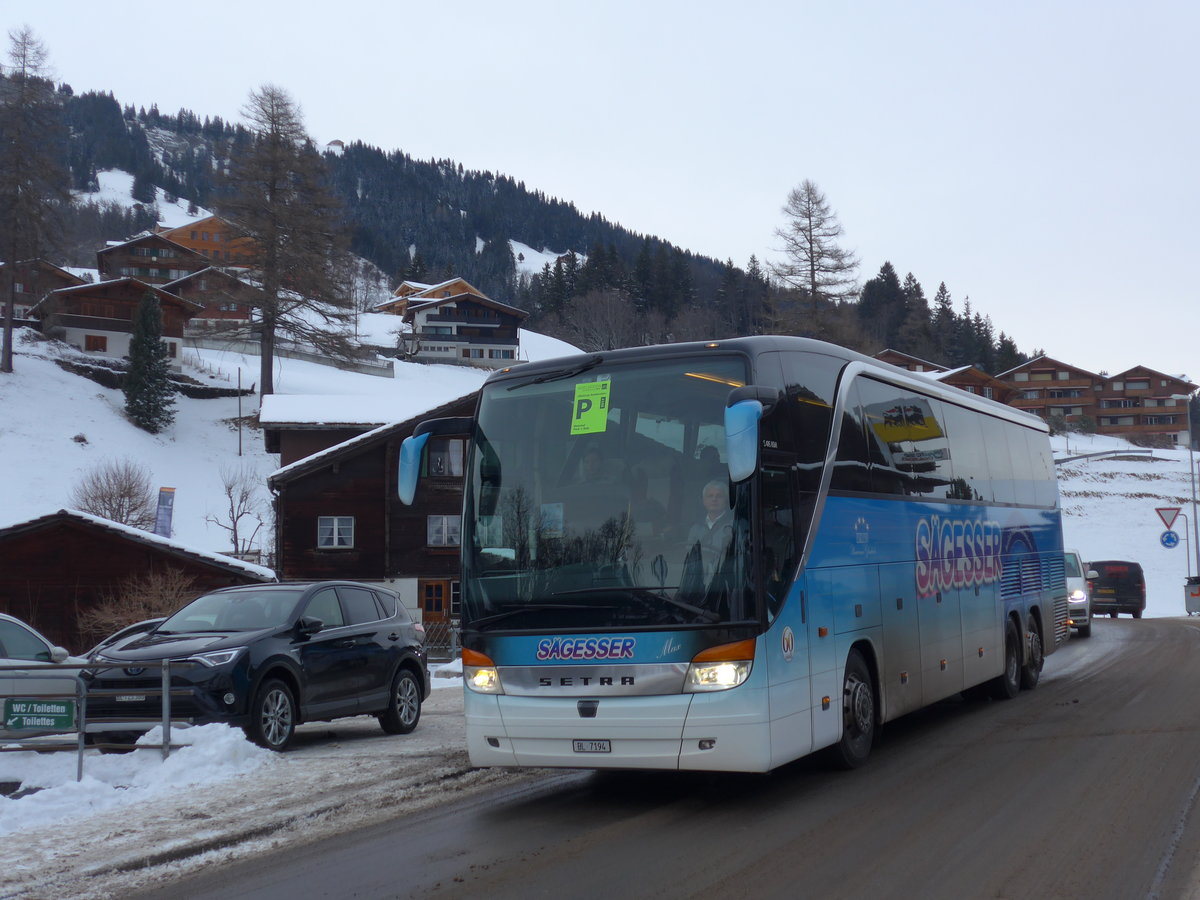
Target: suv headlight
x,y
214,658
1077,596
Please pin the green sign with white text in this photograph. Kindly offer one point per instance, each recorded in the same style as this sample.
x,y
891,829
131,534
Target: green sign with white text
x,y
39,715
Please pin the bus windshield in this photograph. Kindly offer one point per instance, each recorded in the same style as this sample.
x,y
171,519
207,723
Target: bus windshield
x,y
599,497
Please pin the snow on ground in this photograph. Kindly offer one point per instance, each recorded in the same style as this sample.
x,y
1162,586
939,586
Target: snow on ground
x,y
58,426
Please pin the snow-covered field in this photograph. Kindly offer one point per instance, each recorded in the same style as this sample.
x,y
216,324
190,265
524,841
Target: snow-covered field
x,y
136,819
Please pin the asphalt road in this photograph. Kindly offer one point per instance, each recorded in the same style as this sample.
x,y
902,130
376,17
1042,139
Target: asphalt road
x,y
1085,787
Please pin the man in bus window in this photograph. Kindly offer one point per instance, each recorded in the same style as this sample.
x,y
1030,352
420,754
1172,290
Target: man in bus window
x,y
714,533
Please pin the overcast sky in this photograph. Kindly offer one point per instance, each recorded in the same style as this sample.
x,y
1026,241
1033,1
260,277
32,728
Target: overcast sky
x,y
1039,158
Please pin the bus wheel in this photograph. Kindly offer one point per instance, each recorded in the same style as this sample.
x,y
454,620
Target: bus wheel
x,y
1008,685
1032,670
858,714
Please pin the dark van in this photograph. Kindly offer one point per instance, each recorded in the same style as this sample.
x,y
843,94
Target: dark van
x,y
1120,587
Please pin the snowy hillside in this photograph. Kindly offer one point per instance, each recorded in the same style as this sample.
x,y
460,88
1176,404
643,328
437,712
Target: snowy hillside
x,y
57,426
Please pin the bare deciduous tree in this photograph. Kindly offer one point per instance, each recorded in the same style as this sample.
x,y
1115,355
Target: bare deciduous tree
x,y
145,595
242,487
815,263
118,490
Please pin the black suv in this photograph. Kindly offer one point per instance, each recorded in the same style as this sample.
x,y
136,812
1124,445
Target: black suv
x,y
267,657
1120,588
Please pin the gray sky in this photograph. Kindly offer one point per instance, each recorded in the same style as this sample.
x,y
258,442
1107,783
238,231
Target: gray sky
x,y
1038,157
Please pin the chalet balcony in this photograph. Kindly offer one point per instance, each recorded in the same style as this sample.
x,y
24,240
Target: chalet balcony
x,y
94,323
474,321
491,340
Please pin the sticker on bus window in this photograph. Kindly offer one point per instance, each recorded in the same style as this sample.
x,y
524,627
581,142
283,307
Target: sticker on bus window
x,y
589,415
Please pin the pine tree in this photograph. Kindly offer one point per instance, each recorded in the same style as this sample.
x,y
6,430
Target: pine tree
x,y
149,395
882,306
815,263
280,199
34,180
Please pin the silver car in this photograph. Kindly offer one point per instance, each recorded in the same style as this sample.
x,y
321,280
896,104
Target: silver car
x,y
1079,593
39,675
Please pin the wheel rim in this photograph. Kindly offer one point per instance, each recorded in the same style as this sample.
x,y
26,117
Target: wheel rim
x,y
407,702
860,706
1035,647
276,717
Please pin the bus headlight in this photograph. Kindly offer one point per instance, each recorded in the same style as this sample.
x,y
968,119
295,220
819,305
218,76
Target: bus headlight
x,y
480,674
720,668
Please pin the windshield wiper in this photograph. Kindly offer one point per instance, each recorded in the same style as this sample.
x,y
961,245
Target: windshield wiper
x,y
571,372
532,607
648,593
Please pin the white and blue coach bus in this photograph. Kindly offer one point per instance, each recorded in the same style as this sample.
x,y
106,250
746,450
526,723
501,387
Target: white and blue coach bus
x,y
727,555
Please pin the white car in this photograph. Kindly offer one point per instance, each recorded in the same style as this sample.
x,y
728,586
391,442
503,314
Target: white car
x,y
39,674
1079,595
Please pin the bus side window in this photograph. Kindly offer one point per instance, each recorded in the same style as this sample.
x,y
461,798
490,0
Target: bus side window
x,y
779,538
851,468
968,458
999,459
882,408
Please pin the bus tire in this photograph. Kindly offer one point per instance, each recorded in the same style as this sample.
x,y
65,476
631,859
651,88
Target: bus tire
x,y
1008,684
1034,657
859,705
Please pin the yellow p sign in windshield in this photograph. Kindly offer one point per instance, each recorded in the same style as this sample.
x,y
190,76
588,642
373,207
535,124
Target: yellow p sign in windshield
x,y
590,413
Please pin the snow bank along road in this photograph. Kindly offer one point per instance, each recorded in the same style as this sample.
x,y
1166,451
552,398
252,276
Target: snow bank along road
x,y
340,775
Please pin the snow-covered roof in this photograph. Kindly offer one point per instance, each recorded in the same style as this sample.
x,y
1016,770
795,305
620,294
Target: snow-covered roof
x,y
367,437
145,537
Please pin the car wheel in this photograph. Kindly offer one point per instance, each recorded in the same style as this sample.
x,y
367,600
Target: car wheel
x,y
1112,615
1085,630
272,716
1008,685
858,714
404,704
1032,670
1137,614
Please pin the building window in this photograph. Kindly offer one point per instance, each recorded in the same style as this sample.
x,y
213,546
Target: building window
x,y
1031,395
96,343
443,531
172,349
988,392
471,353
335,531
1160,420
446,457
1021,376
1063,376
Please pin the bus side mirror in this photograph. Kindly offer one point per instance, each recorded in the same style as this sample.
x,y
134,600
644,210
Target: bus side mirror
x,y
410,467
413,446
743,411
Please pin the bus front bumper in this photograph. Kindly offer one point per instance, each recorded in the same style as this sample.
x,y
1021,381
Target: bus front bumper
x,y
721,731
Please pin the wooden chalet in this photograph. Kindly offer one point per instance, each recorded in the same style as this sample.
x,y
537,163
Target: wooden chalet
x,y
35,278
225,299
150,258
1138,403
338,515
455,322
974,380
905,361
216,239
98,318
971,379
61,564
